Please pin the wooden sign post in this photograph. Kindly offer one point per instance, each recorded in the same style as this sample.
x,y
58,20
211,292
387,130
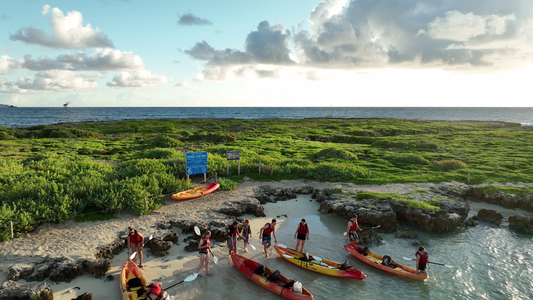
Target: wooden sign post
x,y
233,155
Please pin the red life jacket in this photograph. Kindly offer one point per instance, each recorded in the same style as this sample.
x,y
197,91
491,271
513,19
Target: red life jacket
x,y
206,242
302,229
135,238
423,257
155,289
232,231
354,225
269,230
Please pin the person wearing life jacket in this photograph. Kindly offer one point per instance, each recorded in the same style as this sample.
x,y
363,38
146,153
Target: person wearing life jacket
x,y
233,232
421,260
246,233
353,227
302,232
153,291
204,245
136,242
265,234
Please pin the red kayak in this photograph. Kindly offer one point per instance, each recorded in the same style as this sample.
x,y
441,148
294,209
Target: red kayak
x,y
247,267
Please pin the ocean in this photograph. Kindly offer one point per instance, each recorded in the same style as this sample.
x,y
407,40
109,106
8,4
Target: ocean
x,y
30,116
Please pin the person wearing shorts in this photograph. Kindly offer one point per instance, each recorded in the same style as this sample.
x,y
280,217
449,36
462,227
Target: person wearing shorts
x,y
353,227
266,232
302,232
421,260
233,230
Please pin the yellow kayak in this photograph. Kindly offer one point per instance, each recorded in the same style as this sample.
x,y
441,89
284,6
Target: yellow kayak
x,y
196,192
128,290
318,265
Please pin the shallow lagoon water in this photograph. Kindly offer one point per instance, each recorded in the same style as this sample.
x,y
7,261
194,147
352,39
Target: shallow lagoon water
x,y
490,262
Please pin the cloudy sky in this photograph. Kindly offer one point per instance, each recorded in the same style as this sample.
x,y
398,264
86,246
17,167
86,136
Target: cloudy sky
x,y
266,53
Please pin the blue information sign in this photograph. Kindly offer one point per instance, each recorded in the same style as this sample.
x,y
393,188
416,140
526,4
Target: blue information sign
x,y
196,162
233,155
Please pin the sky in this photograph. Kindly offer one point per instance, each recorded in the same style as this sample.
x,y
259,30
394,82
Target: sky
x,y
360,53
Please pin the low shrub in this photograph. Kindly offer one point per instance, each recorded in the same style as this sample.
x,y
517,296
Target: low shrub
x,y
227,184
407,158
450,164
166,142
336,153
159,153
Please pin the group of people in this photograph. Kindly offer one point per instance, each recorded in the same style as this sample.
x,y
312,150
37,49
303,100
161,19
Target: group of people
x,y
135,241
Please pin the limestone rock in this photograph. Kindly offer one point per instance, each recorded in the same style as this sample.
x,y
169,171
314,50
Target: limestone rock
x,y
406,234
84,296
490,215
521,222
10,290
19,271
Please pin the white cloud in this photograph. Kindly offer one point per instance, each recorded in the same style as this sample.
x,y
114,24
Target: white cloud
x,y
185,84
58,80
8,64
8,87
99,60
46,10
67,32
457,26
142,78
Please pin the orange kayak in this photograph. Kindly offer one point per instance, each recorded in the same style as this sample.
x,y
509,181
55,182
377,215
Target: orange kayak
x,y
129,272
247,267
196,192
319,265
376,261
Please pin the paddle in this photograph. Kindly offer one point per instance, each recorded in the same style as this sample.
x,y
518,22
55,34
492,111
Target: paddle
x,y
197,231
429,262
285,255
188,279
248,241
370,227
133,255
149,239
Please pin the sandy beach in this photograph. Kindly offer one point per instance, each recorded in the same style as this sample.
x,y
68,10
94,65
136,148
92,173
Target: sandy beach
x,y
82,240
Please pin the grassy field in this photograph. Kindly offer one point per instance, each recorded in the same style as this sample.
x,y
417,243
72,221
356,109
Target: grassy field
x,y
62,171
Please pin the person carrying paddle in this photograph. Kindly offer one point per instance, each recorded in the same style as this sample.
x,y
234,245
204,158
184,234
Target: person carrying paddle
x,y
135,242
246,233
301,233
153,291
353,226
421,260
233,232
265,234
204,245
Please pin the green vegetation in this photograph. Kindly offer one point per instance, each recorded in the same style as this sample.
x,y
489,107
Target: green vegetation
x,y
227,184
51,173
372,195
492,189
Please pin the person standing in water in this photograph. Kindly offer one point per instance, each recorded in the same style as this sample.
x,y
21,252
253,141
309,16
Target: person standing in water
x,y
246,233
233,231
421,260
353,226
265,234
204,245
135,242
302,232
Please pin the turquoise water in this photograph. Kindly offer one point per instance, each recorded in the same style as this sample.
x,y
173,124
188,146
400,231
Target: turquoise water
x,y
490,262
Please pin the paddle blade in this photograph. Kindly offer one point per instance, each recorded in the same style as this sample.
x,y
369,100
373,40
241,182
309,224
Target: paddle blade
x,y
133,255
197,230
282,246
317,258
344,233
191,278
287,256
448,266
150,238
253,247
406,258
215,259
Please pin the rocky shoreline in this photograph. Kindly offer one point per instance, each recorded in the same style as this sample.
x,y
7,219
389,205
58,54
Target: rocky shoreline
x,y
389,214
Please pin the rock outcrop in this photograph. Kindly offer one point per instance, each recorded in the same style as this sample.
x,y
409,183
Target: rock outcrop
x,y
490,215
521,222
11,290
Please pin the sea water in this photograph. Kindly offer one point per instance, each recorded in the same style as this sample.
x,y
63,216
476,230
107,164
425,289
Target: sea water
x,y
30,116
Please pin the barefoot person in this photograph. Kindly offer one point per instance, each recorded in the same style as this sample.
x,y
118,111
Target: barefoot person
x,y
302,232
204,245
421,260
266,232
153,292
353,226
233,231
135,243
246,233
